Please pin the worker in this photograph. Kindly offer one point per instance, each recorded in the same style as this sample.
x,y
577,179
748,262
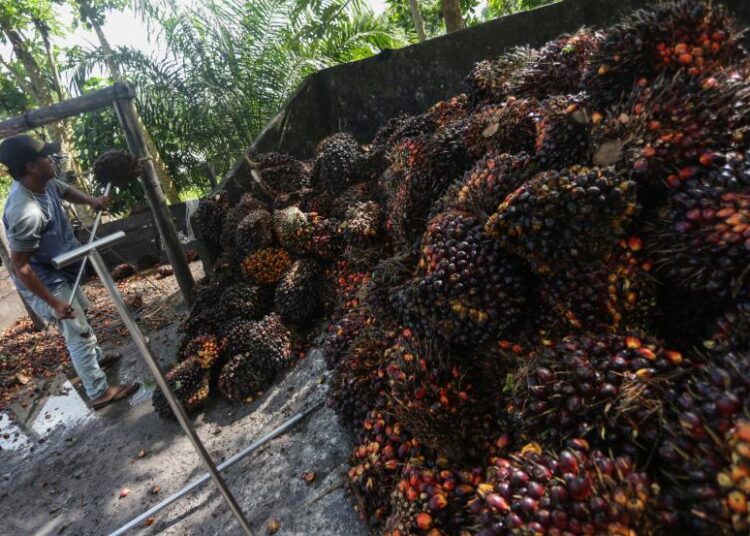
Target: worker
x,y
38,230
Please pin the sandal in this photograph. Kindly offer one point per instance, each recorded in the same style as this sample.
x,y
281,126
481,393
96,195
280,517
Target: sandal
x,y
122,392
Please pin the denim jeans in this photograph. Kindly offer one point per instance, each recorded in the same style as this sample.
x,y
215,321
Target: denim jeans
x,y
79,337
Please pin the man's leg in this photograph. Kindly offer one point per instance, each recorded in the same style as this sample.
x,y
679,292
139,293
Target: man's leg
x,y
80,340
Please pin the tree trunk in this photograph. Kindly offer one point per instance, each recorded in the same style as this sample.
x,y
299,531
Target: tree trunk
x,y
5,257
416,15
452,15
165,179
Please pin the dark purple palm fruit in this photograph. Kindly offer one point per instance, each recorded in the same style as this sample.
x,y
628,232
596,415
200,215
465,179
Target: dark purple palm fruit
x,y
117,167
190,384
283,173
382,447
468,291
209,217
486,184
613,294
490,81
556,68
359,379
508,127
699,467
563,133
338,163
573,491
674,127
688,35
435,398
574,214
232,221
297,295
609,389
432,495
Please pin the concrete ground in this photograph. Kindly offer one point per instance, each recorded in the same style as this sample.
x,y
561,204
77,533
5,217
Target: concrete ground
x,y
62,467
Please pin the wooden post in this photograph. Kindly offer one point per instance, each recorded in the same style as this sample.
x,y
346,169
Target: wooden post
x,y
49,114
134,134
5,256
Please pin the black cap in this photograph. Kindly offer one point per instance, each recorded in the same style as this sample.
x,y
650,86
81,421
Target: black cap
x,y
17,151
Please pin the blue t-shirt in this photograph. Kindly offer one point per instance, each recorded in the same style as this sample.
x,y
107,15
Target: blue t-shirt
x,y
37,223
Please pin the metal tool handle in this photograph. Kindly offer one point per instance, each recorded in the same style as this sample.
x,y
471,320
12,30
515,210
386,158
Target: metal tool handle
x,y
91,239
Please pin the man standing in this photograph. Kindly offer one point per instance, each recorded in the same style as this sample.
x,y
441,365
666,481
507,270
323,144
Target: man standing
x,y
38,230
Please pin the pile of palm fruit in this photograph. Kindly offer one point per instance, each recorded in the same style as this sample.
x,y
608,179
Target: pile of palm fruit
x,y
538,292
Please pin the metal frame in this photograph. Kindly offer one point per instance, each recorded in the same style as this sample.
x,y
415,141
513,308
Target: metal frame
x,y
228,463
121,97
91,252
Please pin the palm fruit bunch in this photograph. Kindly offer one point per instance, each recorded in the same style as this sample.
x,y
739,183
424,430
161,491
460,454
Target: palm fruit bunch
x,y
210,214
241,301
388,275
557,68
254,232
486,184
282,172
206,314
117,167
189,382
614,294
563,133
469,290
267,341
206,349
382,447
264,267
696,456
704,240
575,491
730,332
671,128
234,216
339,336
297,292
435,399
606,388
433,164
362,223
490,81
240,379
508,127
689,35
572,214
391,133
292,229
338,163
446,112
359,378
431,496
122,271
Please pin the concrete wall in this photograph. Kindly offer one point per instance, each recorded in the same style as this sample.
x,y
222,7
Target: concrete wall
x,y
358,97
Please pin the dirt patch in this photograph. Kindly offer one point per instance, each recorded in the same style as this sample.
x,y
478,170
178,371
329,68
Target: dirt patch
x,y
68,480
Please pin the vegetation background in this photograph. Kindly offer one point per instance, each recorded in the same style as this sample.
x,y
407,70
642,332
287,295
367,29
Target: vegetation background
x,y
213,73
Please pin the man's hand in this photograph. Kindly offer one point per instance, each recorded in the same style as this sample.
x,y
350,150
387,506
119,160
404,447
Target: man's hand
x,y
101,203
63,310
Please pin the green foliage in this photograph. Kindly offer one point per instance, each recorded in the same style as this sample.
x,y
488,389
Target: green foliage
x,y
399,14
229,67
500,8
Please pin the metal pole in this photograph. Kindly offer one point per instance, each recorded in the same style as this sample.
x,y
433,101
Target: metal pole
x,y
92,237
203,479
140,341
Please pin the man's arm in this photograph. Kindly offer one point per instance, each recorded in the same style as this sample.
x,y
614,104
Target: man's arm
x,y
19,263
79,198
